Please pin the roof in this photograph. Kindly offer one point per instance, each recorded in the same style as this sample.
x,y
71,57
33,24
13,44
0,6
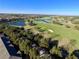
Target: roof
x,y
7,50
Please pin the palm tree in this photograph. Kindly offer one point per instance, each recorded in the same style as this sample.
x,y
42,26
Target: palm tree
x,y
23,47
32,53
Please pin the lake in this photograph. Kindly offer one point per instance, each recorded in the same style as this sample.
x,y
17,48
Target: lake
x,y
17,23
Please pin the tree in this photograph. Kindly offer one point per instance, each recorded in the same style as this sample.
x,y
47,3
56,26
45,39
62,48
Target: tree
x,y
72,57
32,53
44,39
23,47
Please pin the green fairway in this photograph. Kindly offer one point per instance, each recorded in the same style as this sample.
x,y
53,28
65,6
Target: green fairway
x,y
62,31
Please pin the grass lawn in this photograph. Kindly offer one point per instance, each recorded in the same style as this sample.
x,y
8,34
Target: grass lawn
x,y
62,31
28,27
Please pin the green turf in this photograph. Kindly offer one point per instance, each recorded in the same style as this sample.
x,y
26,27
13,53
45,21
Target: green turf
x,y
62,31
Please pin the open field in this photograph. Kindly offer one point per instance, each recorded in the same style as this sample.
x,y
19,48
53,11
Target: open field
x,y
62,31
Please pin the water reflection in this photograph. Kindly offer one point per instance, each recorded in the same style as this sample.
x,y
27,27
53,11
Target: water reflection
x,y
17,23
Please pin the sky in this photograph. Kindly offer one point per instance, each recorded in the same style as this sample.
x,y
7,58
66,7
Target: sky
x,y
54,7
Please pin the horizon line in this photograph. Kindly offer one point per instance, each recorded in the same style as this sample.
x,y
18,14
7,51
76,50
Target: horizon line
x,y
38,14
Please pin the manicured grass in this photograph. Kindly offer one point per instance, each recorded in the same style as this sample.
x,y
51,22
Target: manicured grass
x,y
62,31
28,27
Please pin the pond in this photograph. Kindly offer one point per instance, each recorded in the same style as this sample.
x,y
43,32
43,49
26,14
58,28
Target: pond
x,y
17,23
42,21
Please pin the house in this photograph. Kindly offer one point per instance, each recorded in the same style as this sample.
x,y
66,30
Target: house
x,y
34,44
4,20
7,50
1,34
42,51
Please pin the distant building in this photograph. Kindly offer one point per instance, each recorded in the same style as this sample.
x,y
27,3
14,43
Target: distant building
x,y
4,20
